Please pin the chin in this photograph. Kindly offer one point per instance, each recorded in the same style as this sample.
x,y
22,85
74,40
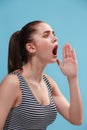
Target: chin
x,y
53,61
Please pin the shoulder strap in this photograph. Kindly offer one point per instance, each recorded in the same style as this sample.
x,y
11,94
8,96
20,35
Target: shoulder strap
x,y
19,77
47,83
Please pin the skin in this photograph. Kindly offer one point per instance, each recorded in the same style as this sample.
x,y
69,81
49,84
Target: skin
x,y
41,50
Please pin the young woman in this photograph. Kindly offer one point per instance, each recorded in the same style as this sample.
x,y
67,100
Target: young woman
x,y
30,99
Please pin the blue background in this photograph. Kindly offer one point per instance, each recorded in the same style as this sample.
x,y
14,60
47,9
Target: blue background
x,y
69,20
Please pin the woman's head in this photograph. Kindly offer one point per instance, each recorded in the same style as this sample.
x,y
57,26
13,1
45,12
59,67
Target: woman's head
x,y
17,53
34,35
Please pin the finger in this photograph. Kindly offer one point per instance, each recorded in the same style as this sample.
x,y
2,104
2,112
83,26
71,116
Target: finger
x,y
74,54
64,53
67,51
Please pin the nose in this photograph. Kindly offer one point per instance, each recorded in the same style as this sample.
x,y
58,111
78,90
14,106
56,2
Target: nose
x,y
54,39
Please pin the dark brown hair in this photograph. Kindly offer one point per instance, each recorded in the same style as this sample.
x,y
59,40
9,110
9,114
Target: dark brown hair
x,y
17,53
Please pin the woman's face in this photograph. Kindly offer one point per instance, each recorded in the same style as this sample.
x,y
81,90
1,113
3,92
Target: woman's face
x,y
45,43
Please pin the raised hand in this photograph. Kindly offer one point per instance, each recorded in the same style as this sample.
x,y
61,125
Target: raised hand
x,y
69,64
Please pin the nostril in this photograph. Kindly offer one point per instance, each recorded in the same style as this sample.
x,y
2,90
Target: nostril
x,y
55,39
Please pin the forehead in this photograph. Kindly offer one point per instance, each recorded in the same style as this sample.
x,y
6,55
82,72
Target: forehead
x,y
43,27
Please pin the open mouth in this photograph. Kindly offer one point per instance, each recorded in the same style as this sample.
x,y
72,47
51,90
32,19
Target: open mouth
x,y
55,50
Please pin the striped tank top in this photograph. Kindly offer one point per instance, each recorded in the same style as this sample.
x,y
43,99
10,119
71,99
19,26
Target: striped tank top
x,y
30,114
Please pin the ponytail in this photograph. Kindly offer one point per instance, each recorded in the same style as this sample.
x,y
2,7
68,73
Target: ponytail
x,y
17,52
14,56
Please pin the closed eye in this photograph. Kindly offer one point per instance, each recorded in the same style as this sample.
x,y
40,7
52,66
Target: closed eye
x,y
47,33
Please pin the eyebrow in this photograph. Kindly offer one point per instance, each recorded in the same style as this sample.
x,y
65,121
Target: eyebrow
x,y
47,32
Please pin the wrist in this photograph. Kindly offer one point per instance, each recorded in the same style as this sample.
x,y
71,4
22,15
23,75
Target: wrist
x,y
73,79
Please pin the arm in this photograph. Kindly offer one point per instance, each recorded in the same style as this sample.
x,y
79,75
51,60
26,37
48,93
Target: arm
x,y
8,96
71,111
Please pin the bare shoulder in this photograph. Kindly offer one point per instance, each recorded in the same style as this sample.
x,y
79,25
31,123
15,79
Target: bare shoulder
x,y
9,82
9,92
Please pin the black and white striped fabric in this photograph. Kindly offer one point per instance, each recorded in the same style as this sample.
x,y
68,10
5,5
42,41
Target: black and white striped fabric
x,y
30,114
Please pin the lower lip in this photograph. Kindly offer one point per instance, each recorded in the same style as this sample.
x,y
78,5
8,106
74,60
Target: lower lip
x,y
54,55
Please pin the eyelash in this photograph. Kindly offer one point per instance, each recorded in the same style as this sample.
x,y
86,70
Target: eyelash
x,y
47,35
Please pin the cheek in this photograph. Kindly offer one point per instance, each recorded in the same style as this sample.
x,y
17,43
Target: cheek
x,y
46,49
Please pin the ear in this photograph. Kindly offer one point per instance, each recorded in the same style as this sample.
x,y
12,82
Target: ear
x,y
30,47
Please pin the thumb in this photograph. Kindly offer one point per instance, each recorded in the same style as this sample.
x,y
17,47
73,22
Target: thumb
x,y
59,63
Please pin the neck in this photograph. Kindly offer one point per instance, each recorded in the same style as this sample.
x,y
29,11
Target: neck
x,y
33,70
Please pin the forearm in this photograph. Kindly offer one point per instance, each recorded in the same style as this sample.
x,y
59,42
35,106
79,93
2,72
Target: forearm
x,y
75,110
